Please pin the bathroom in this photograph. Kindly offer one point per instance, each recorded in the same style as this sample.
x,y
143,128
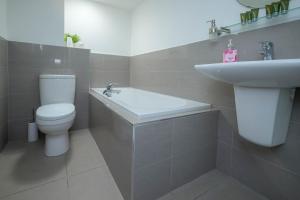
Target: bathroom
x,y
132,100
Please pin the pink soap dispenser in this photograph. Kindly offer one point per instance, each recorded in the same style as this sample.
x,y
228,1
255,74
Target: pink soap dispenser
x,y
230,54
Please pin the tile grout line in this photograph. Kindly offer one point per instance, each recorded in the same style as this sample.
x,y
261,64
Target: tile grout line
x,y
267,161
87,170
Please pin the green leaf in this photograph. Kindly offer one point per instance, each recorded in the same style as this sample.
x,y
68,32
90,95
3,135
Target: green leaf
x,y
75,38
66,35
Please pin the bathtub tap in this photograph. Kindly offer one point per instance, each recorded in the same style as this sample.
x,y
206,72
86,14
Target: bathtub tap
x,y
109,90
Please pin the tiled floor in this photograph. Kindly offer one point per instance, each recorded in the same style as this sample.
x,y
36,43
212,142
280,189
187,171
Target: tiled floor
x,y
213,185
27,174
81,174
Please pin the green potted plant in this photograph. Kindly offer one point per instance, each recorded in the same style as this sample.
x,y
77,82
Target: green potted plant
x,y
71,40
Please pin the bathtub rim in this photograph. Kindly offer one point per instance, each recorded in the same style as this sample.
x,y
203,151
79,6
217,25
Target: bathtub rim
x,y
135,119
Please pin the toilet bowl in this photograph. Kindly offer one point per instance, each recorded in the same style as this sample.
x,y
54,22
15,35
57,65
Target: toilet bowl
x,y
57,113
55,120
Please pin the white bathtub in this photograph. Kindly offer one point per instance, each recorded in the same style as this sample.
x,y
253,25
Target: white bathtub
x,y
139,106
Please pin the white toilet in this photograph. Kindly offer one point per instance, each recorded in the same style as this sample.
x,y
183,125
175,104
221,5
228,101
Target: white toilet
x,y
57,112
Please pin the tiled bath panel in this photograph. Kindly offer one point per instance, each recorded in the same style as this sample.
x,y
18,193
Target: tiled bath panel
x,y
156,157
26,62
274,172
114,137
3,93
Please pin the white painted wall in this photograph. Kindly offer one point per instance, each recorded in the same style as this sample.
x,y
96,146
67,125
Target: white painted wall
x,y
102,28
161,24
3,24
36,21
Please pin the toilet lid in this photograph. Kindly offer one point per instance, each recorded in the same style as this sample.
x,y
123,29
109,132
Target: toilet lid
x,y
55,111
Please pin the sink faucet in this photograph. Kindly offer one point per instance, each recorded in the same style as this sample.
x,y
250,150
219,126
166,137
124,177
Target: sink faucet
x,y
109,90
215,32
267,50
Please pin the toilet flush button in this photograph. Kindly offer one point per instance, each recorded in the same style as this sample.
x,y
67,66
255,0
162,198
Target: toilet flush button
x,y
57,61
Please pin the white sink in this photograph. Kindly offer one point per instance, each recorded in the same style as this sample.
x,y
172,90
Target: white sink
x,y
271,73
264,94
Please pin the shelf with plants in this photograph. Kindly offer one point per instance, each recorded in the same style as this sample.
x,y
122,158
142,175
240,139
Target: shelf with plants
x,y
292,15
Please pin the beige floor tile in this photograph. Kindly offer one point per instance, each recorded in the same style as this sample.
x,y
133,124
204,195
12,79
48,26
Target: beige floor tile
x,y
167,197
213,185
83,154
96,184
57,190
231,190
24,166
199,186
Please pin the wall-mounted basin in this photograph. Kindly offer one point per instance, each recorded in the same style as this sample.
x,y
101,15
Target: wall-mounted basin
x,y
269,73
264,94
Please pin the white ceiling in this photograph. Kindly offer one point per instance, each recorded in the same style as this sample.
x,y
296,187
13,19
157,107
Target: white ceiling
x,y
125,4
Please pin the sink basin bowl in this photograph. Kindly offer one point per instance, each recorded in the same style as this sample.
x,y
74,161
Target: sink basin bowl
x,y
269,74
264,93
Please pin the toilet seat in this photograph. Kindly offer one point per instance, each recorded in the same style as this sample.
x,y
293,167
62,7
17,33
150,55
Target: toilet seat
x,y
55,112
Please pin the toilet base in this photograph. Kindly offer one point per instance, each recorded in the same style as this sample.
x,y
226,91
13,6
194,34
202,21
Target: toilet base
x,y
57,144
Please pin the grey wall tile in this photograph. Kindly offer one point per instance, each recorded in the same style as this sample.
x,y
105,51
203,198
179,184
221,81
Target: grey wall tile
x,y
172,72
193,132
190,165
152,143
3,53
35,55
285,156
296,108
3,110
109,68
266,178
3,81
282,158
82,101
22,105
3,92
153,181
189,142
224,157
17,129
4,136
109,62
81,120
100,79
227,125
23,80
78,58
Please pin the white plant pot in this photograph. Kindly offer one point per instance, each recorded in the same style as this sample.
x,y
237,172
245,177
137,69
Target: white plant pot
x,y
69,42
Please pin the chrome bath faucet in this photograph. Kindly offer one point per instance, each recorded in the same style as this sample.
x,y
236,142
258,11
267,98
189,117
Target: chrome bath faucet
x,y
109,90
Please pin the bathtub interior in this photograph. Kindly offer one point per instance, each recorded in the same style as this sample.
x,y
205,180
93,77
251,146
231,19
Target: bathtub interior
x,y
144,104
